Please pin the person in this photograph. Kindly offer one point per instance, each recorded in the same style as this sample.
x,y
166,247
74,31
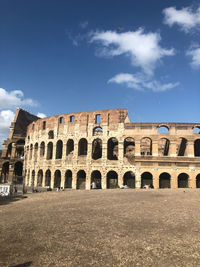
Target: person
x,y
93,185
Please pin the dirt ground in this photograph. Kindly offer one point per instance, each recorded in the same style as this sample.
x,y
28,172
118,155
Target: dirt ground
x,y
102,228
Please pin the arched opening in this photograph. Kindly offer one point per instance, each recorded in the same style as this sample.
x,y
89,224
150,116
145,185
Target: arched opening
x,y
96,149
146,179
163,147
70,147
33,179
197,148
112,151
51,134
59,149
81,180
129,179
31,151
164,180
18,167
112,180
146,146
97,131
48,178
28,178
68,179
5,172
42,149
183,180
129,149
9,151
40,178
163,130
96,178
82,147
35,151
57,179
196,130
181,147
50,150
19,152
198,181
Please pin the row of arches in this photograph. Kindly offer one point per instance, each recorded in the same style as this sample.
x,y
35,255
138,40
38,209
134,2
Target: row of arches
x,y
111,179
17,172
112,148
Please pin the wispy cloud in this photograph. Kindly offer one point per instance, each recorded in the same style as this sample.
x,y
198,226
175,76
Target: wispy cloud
x,y
143,48
83,24
41,115
186,18
141,82
194,53
14,98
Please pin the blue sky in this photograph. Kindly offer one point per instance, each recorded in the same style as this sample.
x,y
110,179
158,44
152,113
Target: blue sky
x,y
69,56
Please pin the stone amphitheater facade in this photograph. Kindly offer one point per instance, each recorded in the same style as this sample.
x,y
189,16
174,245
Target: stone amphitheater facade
x,y
73,150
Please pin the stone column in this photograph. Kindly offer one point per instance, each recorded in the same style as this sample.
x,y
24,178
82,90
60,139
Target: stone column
x,y
192,180
104,151
103,180
74,178
156,180
88,180
174,179
173,149
137,179
89,154
190,148
155,148
52,178
62,184
137,148
13,151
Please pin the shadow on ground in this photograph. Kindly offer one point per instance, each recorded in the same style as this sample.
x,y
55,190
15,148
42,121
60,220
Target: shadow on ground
x,y
9,199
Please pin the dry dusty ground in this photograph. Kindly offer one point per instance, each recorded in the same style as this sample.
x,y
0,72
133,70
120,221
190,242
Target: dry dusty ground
x,y
102,228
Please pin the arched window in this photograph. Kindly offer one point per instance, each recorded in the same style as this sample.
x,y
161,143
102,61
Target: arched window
x,y
18,172
163,147
68,179
146,146
196,130
197,148
163,129
112,149
42,149
33,179
36,151
9,151
97,131
31,151
82,147
129,148
112,180
57,179
96,149
164,180
61,120
59,149
181,147
5,172
51,134
81,180
70,147
129,179
50,150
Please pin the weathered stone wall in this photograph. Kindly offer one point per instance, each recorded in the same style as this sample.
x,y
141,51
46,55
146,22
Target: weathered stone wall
x,y
106,147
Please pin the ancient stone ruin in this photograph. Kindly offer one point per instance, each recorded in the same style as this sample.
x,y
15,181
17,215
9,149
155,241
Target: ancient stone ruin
x,y
103,146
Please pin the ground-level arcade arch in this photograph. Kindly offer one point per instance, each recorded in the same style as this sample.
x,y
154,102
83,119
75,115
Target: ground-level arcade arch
x,y
164,180
57,179
68,179
112,180
198,181
183,180
146,179
5,172
96,177
129,179
48,178
40,178
81,180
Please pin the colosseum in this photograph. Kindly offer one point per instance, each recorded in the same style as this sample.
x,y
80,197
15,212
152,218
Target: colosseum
x,y
105,147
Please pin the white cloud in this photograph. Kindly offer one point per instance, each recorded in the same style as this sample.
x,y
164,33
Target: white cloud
x,y
14,98
142,48
195,54
6,117
187,18
41,115
141,82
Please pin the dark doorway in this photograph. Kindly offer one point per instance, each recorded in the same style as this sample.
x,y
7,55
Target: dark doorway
x,y
183,180
68,179
112,180
96,177
57,179
48,178
164,180
81,180
146,179
198,181
129,179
